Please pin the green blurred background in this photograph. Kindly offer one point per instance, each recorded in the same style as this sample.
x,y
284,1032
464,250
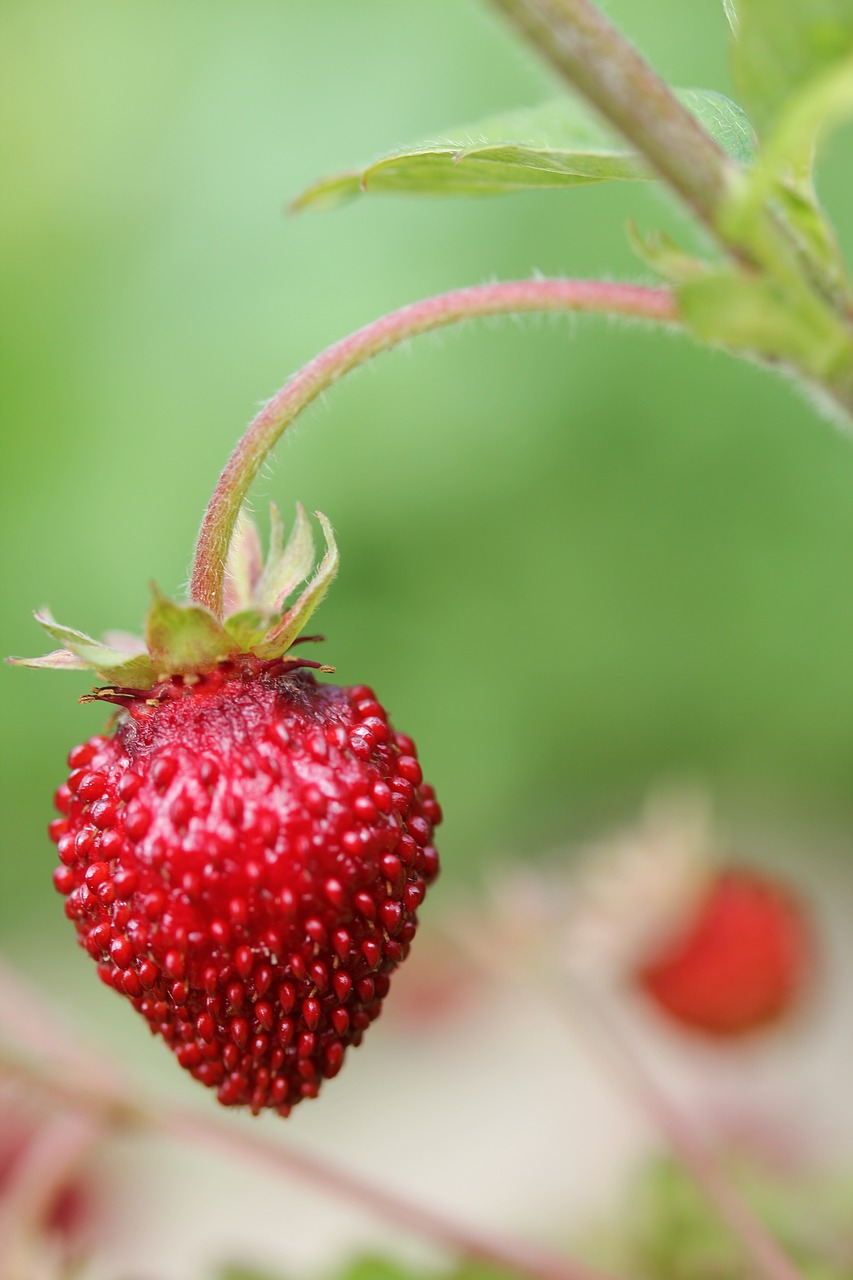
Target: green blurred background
x,y
577,559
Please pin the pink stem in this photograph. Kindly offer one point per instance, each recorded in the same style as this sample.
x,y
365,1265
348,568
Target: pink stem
x,y
589,1007
80,1079
509,297
48,1166
768,1259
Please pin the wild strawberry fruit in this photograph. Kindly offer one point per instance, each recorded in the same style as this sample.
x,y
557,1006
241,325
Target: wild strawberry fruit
x,y
244,853
719,948
740,959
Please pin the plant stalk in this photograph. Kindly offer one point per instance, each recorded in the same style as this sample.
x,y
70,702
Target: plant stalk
x,y
767,1258
602,64
59,1068
513,297
574,1002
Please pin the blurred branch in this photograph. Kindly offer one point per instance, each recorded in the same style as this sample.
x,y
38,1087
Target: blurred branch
x,y
122,1106
769,1261
37,1179
514,297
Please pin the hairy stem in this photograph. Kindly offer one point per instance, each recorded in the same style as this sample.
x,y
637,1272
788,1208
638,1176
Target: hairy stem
x,y
606,68
508,298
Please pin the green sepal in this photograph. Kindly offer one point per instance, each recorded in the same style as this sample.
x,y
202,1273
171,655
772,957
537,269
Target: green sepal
x,y
243,564
248,627
279,639
285,568
112,663
185,637
59,660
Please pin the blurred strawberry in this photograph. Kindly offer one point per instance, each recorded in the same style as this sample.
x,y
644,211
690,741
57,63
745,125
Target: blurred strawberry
x,y
740,959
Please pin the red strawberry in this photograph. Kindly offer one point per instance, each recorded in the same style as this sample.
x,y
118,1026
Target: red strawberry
x,y
739,960
245,853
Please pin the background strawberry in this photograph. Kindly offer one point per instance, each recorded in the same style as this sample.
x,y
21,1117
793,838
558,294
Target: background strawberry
x,y
739,959
243,855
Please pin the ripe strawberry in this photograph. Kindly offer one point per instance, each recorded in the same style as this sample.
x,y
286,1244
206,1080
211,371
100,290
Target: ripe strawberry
x,y
245,852
718,948
739,960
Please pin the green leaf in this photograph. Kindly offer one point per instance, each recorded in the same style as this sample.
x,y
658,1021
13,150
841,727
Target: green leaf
x,y
559,144
782,46
185,637
823,104
754,314
293,621
285,569
726,122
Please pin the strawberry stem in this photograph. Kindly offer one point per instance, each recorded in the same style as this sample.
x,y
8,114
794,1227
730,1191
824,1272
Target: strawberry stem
x,y
507,298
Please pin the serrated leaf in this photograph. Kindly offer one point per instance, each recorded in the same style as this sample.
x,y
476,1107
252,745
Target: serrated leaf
x,y
185,637
294,620
660,252
754,314
243,564
782,46
285,569
559,144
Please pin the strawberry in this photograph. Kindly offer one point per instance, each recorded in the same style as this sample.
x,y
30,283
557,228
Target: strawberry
x,y
719,948
244,852
739,960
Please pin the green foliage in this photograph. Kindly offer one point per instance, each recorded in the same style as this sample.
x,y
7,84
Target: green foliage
x,y
559,144
671,1232
783,46
755,314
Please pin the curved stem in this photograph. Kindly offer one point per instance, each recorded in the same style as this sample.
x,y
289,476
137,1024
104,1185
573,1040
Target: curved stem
x,y
510,297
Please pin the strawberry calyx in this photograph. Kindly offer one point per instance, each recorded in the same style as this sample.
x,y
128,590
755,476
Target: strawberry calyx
x,y
186,639
174,687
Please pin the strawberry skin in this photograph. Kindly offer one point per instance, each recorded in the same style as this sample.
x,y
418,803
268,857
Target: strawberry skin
x,y
740,961
244,857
